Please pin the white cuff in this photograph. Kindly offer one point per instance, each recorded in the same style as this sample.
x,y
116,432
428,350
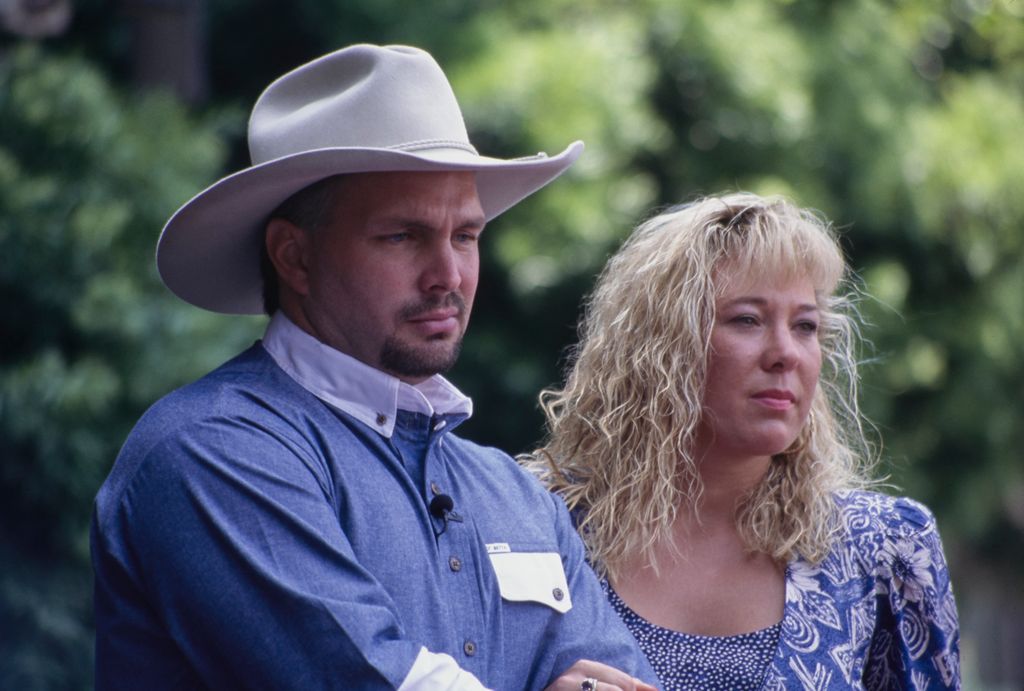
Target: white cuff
x,y
438,672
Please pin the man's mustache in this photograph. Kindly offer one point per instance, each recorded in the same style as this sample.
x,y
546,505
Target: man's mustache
x,y
420,308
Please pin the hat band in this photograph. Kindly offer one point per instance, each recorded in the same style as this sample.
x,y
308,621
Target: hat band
x,y
422,144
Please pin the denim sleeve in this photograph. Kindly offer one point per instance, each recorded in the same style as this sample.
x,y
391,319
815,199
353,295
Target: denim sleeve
x,y
228,532
591,630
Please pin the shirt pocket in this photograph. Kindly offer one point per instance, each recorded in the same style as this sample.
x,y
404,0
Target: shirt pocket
x,y
531,577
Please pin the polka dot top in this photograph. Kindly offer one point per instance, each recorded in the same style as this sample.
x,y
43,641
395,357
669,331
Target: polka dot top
x,y
711,663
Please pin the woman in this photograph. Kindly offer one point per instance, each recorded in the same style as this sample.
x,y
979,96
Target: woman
x,y
709,441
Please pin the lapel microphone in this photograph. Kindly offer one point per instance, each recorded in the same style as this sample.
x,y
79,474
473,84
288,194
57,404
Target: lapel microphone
x,y
441,508
440,505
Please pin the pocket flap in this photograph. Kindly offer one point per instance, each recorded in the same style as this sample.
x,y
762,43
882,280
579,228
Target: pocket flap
x,y
532,577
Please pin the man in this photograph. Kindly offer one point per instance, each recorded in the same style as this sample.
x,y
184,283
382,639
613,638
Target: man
x,y
304,517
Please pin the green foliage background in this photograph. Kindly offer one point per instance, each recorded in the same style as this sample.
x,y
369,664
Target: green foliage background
x,y
900,121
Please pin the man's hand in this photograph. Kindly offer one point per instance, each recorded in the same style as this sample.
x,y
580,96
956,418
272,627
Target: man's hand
x,y
601,678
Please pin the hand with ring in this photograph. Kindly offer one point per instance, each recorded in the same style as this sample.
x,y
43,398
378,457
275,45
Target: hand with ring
x,y
587,675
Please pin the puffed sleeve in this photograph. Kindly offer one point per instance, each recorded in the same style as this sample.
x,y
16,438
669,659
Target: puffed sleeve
x,y
916,644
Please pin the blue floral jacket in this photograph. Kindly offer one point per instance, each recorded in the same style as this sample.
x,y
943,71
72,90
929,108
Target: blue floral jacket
x,y
878,612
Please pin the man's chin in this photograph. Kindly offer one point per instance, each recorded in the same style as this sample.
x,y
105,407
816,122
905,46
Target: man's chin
x,y
418,362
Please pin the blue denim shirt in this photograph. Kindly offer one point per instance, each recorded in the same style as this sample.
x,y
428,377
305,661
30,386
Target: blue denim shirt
x,y
251,536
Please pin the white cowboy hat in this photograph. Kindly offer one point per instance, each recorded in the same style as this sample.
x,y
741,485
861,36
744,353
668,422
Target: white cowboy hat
x,y
360,109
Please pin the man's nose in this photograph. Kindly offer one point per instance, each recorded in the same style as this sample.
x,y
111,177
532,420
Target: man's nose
x,y
442,271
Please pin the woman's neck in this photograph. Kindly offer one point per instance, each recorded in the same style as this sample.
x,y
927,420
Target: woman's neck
x,y
707,581
725,481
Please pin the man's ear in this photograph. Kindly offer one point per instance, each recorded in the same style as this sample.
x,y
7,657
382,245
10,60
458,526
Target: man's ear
x,y
288,247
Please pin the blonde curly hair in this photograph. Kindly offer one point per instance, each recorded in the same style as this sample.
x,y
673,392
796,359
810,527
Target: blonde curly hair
x,y
622,430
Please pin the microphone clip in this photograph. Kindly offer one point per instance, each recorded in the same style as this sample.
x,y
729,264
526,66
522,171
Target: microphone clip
x,y
442,507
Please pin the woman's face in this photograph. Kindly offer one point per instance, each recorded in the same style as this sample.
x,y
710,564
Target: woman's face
x,y
762,370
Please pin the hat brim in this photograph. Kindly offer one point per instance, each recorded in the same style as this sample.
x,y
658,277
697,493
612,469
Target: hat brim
x,y
208,252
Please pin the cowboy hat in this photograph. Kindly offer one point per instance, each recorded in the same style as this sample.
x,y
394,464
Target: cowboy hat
x,y
360,109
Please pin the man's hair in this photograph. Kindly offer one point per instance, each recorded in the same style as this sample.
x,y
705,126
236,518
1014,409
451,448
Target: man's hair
x,y
309,209
621,432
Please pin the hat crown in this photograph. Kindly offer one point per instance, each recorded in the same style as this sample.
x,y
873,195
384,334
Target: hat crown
x,y
363,96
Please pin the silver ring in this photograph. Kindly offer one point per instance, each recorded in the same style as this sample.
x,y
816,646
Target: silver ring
x,y
588,684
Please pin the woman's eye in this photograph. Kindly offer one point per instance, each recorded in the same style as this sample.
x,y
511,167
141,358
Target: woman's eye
x,y
808,327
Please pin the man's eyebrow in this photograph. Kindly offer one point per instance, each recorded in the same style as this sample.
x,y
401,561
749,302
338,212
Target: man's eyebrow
x,y
473,222
420,224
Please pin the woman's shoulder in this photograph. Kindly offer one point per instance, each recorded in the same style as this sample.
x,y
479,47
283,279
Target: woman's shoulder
x,y
863,512
880,538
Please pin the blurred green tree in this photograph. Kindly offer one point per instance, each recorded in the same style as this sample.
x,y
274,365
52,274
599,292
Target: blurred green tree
x,y
89,336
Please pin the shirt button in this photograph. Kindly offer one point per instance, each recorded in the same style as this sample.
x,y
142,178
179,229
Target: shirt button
x,y
381,419
558,594
469,647
455,564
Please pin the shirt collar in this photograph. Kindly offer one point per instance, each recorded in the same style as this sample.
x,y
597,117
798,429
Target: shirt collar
x,y
371,396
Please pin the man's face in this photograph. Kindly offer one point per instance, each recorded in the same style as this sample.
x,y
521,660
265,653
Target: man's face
x,y
391,276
